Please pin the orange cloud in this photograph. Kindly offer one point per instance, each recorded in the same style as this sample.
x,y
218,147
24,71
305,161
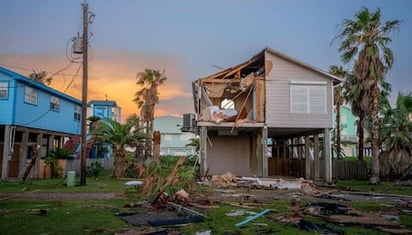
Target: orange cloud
x,y
112,75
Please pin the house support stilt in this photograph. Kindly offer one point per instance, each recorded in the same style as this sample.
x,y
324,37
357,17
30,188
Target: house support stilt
x,y
264,152
203,150
6,153
327,155
308,161
316,157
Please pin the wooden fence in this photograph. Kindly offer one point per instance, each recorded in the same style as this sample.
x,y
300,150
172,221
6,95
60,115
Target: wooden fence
x,y
341,169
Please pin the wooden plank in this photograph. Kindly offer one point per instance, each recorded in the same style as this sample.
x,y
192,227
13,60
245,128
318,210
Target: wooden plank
x,y
260,100
252,218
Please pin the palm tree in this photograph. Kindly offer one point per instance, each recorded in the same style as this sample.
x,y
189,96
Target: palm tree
x,y
41,77
119,136
396,133
195,142
135,120
364,41
352,93
147,98
338,101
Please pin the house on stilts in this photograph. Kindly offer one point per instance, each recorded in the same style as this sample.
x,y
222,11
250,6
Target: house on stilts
x,y
269,116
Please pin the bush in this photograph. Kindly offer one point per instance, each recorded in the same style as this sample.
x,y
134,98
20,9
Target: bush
x,y
94,169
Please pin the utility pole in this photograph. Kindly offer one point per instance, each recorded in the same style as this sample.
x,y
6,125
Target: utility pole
x,y
84,153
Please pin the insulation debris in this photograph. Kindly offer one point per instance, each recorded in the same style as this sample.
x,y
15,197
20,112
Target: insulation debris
x,y
228,179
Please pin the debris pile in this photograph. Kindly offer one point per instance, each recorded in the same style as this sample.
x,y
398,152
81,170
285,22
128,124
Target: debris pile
x,y
339,214
230,180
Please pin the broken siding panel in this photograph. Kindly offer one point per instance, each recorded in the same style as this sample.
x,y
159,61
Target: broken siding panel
x,y
278,81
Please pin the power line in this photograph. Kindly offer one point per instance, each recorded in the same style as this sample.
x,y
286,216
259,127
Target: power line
x,y
27,69
74,76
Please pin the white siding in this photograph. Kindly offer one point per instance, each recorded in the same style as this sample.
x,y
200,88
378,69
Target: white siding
x,y
278,113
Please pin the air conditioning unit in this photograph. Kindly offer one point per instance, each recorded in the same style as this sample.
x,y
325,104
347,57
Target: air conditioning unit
x,y
189,122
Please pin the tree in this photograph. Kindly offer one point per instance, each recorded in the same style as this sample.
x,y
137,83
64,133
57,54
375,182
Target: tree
x,y
41,77
396,130
135,120
352,94
119,136
195,142
338,101
146,100
364,41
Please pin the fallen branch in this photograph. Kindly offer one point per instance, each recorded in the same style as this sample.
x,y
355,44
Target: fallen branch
x,y
169,179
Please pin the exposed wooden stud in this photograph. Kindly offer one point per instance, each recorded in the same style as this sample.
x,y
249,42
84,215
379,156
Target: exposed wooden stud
x,y
260,100
268,67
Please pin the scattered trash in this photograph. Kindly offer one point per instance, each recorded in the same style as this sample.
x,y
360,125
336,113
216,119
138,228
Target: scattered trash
x,y
175,221
322,228
326,209
207,232
390,217
240,212
334,197
190,211
134,183
181,196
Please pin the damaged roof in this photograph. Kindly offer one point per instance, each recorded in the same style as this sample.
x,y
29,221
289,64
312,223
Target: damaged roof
x,y
259,59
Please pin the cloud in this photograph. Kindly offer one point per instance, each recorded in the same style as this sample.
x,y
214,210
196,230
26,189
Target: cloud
x,y
112,75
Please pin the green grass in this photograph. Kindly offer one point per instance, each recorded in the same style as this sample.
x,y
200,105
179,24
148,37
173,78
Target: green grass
x,y
62,217
382,187
19,216
98,216
103,184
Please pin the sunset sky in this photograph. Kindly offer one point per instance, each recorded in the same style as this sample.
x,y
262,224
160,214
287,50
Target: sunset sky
x,y
187,39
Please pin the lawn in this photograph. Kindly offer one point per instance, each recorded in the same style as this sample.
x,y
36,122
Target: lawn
x,y
100,216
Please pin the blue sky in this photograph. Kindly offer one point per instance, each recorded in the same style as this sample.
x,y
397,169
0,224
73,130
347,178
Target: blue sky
x,y
184,37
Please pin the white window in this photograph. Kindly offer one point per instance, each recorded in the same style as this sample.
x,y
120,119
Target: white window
x,y
227,104
54,103
308,98
77,113
4,90
30,95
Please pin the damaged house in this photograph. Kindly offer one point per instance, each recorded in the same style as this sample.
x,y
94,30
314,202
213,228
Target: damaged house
x,y
271,115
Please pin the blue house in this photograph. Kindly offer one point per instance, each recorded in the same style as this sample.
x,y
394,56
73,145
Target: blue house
x,y
32,115
348,133
102,109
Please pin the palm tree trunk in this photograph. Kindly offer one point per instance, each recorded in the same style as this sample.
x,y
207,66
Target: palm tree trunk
x,y
361,136
338,139
119,164
156,146
375,135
